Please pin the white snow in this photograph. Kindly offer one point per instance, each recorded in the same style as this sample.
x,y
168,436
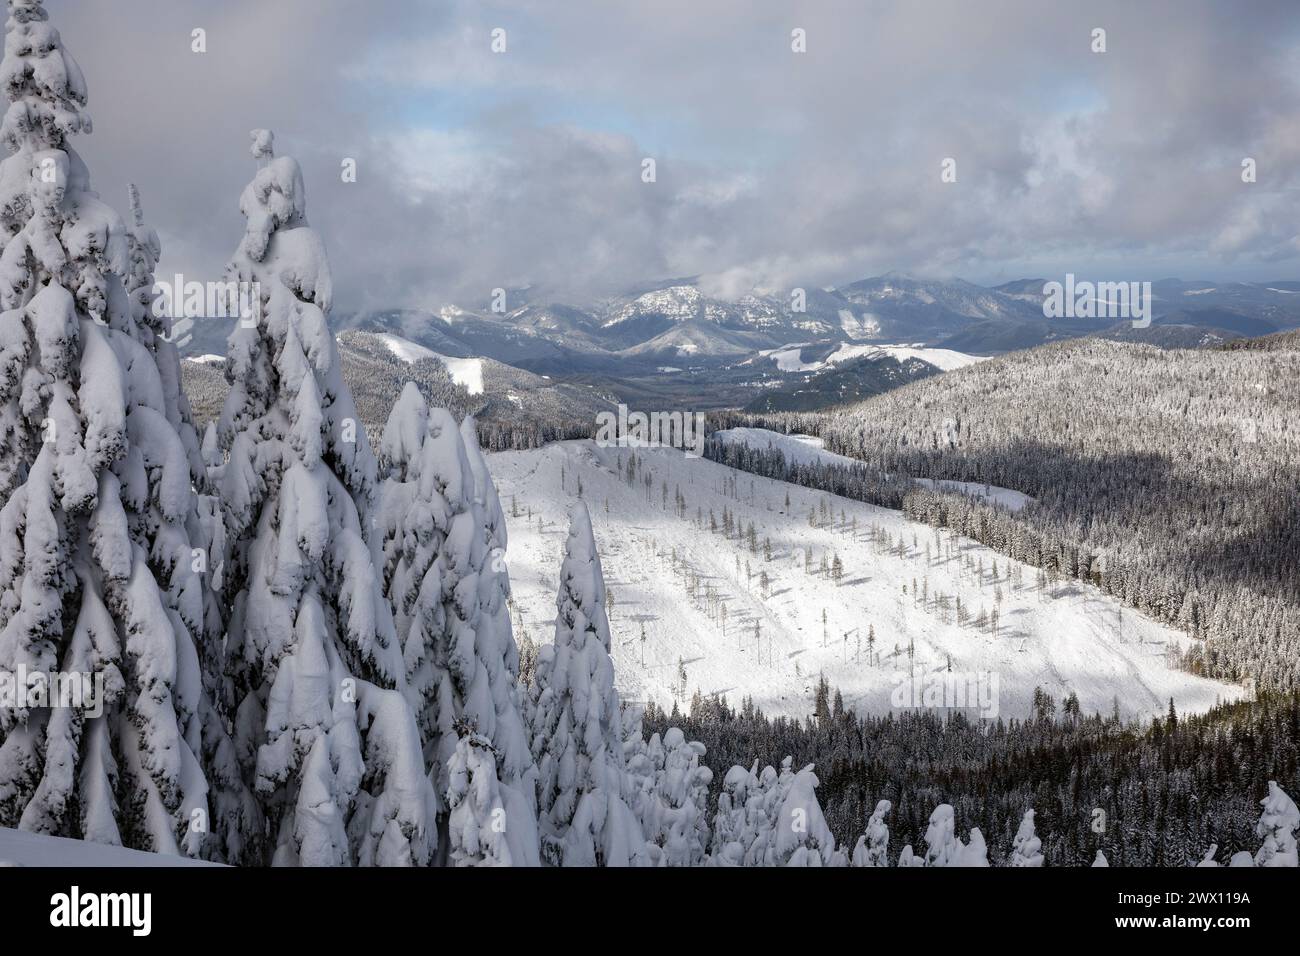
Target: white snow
x,y
943,359
789,358
467,372
18,848
1072,637
209,359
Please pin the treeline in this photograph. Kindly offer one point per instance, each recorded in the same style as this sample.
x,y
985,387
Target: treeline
x,y
1155,795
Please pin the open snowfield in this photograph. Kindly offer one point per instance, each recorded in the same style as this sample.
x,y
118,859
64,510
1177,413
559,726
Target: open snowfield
x,y
1066,637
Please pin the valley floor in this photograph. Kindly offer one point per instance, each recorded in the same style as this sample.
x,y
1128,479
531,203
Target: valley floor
x,y
670,577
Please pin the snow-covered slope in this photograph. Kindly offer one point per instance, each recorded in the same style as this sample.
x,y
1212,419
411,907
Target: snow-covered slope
x,y
943,359
1067,637
18,848
790,358
464,371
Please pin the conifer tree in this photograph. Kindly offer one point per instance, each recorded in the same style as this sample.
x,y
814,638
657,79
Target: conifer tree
x,y
576,725
98,576
325,733
873,846
1027,848
443,541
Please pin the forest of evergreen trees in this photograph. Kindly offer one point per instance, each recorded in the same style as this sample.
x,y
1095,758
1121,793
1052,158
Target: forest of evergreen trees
x,y
1156,795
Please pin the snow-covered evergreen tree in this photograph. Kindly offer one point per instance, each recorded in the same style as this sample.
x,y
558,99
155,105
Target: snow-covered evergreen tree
x,y
803,837
783,824
732,832
942,846
574,715
761,808
1277,828
640,769
444,539
484,828
873,846
675,817
325,732
98,572
976,851
1026,850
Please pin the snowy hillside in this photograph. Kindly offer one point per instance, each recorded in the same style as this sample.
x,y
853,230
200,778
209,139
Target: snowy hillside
x,y
1066,637
466,372
790,358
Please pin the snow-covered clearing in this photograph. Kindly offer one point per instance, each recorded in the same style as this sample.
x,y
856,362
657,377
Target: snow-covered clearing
x,y
943,359
789,358
1069,637
463,371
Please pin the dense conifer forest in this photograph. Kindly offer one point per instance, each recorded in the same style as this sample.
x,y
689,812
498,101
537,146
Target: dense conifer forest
x,y
1156,795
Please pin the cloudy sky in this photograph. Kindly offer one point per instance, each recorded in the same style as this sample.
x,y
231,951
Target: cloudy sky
x,y
774,168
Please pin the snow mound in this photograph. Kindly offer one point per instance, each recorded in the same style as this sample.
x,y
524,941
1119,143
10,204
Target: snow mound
x,y
18,848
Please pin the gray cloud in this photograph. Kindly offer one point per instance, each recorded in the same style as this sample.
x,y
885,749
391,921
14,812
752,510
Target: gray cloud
x,y
480,170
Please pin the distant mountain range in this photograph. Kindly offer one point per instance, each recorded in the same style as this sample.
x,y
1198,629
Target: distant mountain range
x,y
671,340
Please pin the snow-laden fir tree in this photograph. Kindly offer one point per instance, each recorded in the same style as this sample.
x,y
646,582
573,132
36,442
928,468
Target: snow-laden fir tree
x,y
1026,849
976,852
234,813
872,847
98,570
675,818
943,848
802,836
942,845
639,778
783,823
489,823
324,730
733,833
576,726
1277,828
762,805
444,538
